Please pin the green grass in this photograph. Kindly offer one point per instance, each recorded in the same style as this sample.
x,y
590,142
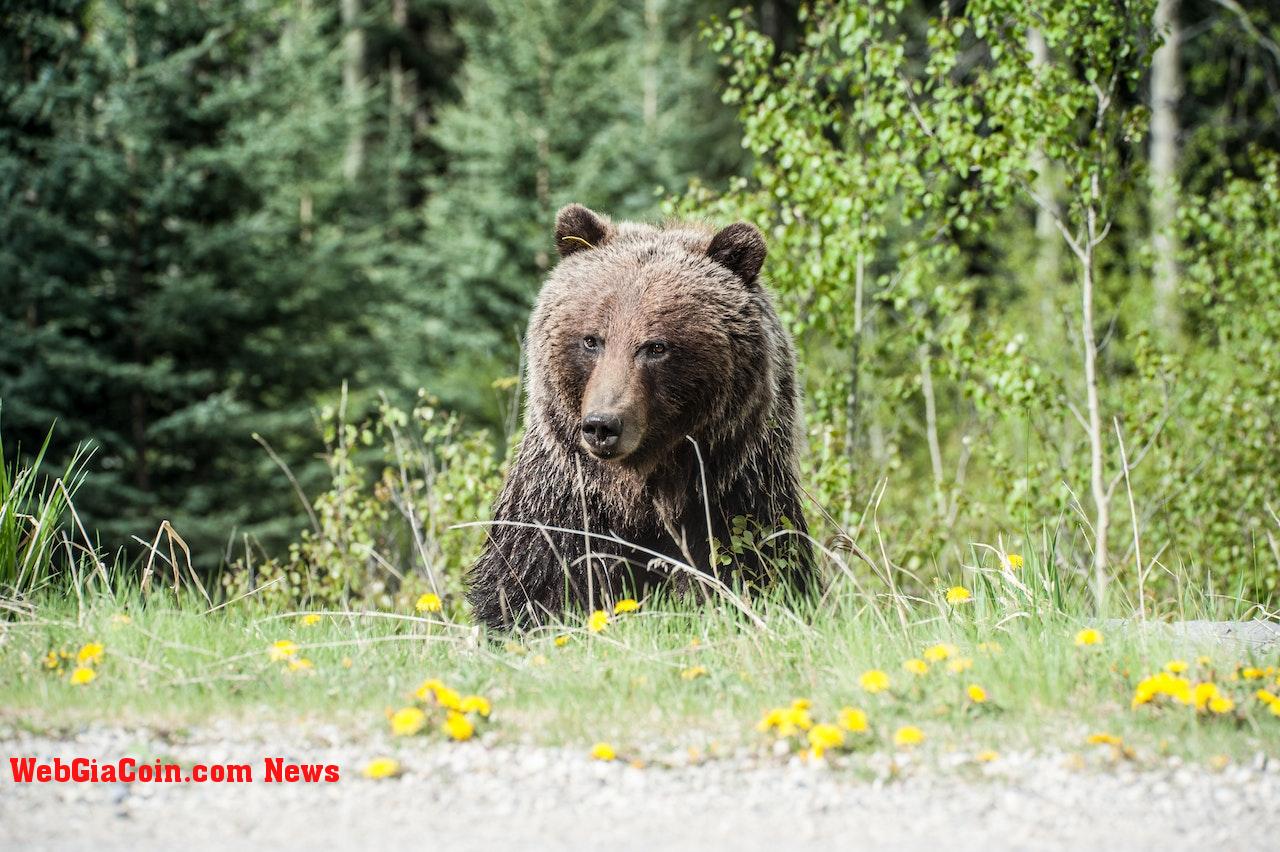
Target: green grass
x,y
176,665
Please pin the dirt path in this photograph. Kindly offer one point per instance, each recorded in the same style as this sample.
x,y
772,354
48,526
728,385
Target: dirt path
x,y
472,797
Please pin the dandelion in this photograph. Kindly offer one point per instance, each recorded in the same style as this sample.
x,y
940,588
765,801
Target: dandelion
x,y
823,737
1201,695
381,767
475,704
598,621
428,689
82,675
429,602
626,605
986,756
1176,666
1203,660
787,721
1275,708
458,726
916,666
908,735
874,680
299,664
282,650
976,694
1088,636
852,720
52,660
1221,704
1104,739
1266,697
693,673
938,653
1163,683
448,698
958,595
960,664
1014,561
90,653
407,721
1248,673
561,641
311,619
603,751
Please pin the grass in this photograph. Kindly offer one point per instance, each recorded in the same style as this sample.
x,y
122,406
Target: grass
x,y
176,665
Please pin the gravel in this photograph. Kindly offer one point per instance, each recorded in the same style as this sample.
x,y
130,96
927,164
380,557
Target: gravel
x,y
477,795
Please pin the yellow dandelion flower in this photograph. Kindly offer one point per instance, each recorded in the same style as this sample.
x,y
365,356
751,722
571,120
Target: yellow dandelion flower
x,y
873,681
853,720
1104,739
429,602
561,641
693,673
90,653
1088,636
1163,683
976,694
916,666
458,726
381,767
407,721
1252,673
1203,660
1176,666
52,660
598,621
1275,708
1266,697
626,605
82,675
603,751
448,698
908,735
428,689
801,704
960,664
311,619
958,595
986,756
475,704
282,650
1014,561
823,737
346,662
1220,704
299,664
1201,695
938,653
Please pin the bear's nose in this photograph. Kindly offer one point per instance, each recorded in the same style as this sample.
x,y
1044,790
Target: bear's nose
x,y
601,431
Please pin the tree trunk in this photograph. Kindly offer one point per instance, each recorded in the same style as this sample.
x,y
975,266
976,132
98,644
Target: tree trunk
x,y
1165,91
1089,343
1048,259
353,87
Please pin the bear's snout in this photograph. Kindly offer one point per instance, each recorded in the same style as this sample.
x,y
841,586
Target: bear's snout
x,y
601,432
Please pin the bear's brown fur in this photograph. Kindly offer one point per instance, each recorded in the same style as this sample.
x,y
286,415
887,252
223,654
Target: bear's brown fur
x,y
648,346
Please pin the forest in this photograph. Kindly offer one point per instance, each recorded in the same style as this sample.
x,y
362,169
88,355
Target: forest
x,y
265,266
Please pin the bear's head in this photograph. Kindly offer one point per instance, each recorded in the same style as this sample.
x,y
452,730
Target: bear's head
x,y
643,336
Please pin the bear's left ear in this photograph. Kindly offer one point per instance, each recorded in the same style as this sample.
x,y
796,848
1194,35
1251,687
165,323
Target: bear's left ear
x,y
740,248
578,228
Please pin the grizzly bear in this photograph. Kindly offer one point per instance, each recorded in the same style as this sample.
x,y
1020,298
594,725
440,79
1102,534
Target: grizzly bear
x,y
662,400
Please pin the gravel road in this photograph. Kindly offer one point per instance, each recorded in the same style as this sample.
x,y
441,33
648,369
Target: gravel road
x,y
474,796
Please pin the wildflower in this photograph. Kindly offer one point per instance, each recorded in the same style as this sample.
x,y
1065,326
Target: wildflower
x,y
787,721
823,737
458,726
90,653
1176,666
299,664
1014,561
346,662
958,595
626,605
1203,660
598,621
282,650
82,675
407,721
311,619
908,735
693,673
1275,708
960,664
448,698
938,653
603,751
381,767
986,756
874,680
561,641
1201,695
52,660
1088,636
429,602
121,618
428,689
976,694
916,666
1266,697
475,704
852,720
1220,704
1104,739
1248,673
1163,683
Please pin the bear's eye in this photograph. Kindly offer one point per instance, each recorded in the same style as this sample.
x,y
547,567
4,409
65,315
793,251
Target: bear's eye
x,y
655,349
591,343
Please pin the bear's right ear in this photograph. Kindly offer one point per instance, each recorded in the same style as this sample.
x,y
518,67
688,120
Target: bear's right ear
x,y
578,228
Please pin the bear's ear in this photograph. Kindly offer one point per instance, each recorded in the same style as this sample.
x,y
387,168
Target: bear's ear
x,y
739,248
578,228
